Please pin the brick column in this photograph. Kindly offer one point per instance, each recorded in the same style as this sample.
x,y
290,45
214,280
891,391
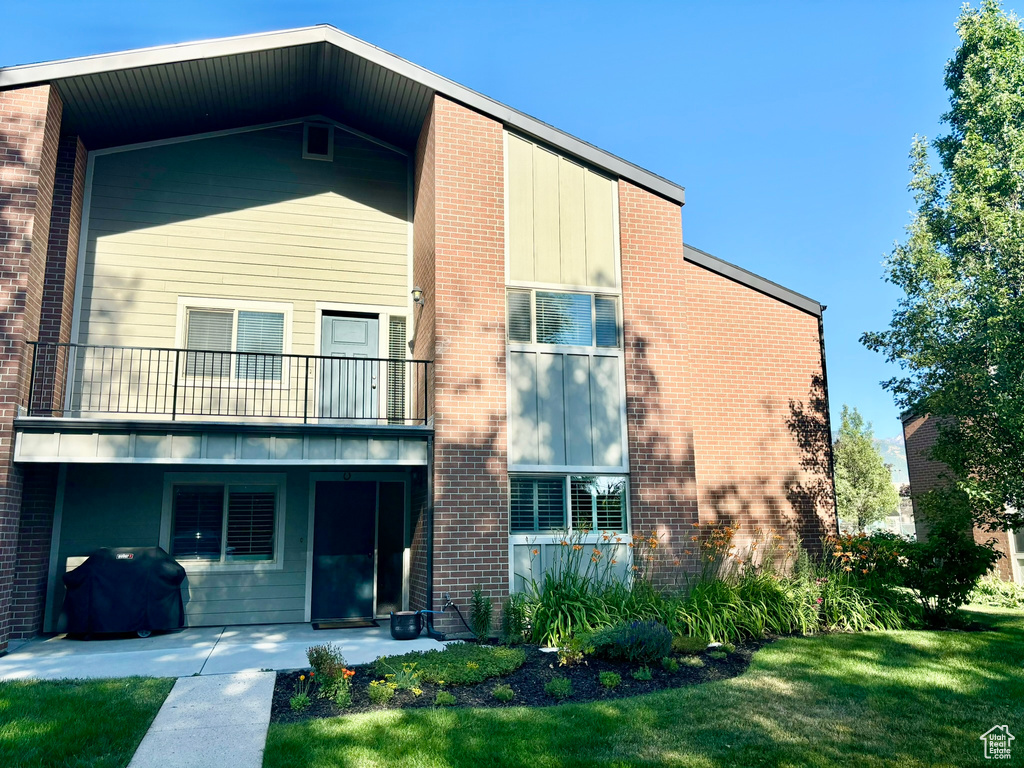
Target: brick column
x,y
659,422
39,495
61,269
29,135
471,492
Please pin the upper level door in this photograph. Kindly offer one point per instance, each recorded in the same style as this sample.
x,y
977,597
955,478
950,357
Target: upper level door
x,y
350,383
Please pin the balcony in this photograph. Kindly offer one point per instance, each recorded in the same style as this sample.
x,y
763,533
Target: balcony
x,y
80,381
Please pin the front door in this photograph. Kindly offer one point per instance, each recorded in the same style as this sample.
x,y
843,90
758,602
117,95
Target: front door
x,y
349,381
344,540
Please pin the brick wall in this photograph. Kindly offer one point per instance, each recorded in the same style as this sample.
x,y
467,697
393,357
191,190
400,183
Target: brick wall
x,y
919,435
29,135
61,267
471,508
760,417
658,403
423,335
35,530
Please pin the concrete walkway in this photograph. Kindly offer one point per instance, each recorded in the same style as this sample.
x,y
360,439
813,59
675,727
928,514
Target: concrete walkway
x,y
219,720
198,651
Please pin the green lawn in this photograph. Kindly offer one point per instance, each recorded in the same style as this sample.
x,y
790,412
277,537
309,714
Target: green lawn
x,y
895,698
76,723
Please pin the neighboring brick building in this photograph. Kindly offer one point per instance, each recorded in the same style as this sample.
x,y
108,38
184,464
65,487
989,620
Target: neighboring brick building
x,y
345,337
919,435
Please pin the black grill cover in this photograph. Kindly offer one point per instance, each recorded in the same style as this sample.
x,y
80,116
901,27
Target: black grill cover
x,y
124,590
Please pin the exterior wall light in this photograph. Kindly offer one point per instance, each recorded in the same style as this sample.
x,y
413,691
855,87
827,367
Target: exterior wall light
x,y
417,295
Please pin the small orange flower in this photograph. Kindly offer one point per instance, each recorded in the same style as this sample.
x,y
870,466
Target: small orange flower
x,y
577,547
536,552
565,543
614,561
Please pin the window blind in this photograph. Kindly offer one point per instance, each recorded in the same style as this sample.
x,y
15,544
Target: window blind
x,y
536,504
519,323
396,371
251,524
209,330
606,319
261,333
198,517
564,318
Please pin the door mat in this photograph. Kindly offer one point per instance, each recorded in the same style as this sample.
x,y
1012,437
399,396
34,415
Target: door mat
x,y
345,624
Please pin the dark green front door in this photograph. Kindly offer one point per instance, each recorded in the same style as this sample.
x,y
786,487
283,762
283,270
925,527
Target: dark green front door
x,y
344,541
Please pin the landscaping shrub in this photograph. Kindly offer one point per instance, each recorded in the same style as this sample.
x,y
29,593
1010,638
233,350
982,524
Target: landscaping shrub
x,y
991,590
333,679
456,664
669,664
943,570
691,661
480,610
574,650
636,641
513,619
718,655
559,688
687,644
609,680
503,693
643,673
381,691
444,699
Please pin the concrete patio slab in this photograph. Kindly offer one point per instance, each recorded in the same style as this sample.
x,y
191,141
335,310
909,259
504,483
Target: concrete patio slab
x,y
219,720
197,651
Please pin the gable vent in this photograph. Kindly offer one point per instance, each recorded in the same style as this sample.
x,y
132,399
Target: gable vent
x,y
318,141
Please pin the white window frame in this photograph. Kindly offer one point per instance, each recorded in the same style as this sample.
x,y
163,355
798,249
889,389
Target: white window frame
x,y
186,303
329,157
227,480
593,295
566,478
542,538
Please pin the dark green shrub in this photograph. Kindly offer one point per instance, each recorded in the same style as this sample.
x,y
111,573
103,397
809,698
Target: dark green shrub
x,y
609,680
503,693
559,688
669,664
444,699
942,570
480,610
687,644
643,673
718,655
636,641
456,664
513,619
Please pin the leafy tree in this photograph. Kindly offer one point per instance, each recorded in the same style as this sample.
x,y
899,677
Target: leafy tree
x,y
864,486
958,331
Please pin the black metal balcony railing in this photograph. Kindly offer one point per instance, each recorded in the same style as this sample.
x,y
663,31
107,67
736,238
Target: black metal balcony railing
x,y
86,380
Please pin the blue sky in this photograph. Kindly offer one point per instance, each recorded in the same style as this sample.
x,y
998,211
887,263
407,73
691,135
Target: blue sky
x,y
788,123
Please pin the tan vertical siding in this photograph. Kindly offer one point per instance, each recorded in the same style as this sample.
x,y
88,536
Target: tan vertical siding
x,y
561,219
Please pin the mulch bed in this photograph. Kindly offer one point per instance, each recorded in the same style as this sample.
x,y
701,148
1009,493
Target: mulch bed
x,y
528,683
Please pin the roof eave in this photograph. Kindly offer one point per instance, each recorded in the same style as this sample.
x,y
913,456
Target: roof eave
x,y
751,280
44,72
